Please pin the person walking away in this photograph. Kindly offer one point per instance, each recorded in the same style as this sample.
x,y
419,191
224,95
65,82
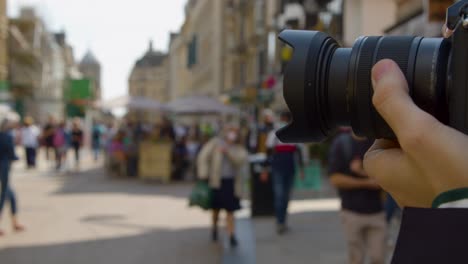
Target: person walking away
x,y
76,141
281,162
60,145
30,141
96,138
7,155
48,136
257,137
220,162
362,212
193,148
181,161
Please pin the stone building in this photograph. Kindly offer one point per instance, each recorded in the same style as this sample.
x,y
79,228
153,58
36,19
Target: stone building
x,y
3,43
178,75
148,77
72,70
419,17
36,67
221,49
91,69
367,17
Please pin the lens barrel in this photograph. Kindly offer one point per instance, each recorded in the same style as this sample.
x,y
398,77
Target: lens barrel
x,y
326,86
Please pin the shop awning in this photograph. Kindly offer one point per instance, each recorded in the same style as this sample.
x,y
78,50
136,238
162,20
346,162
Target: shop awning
x,y
132,103
201,105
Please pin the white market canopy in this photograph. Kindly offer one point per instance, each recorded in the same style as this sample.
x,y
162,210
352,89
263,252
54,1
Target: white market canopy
x,y
200,105
133,103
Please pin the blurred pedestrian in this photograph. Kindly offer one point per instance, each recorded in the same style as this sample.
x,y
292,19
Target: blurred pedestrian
x,y
362,212
167,131
257,136
220,162
47,136
7,150
117,160
181,161
193,148
96,140
281,164
60,143
30,141
76,140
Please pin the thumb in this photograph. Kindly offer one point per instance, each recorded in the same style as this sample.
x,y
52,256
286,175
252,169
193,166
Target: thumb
x,y
392,101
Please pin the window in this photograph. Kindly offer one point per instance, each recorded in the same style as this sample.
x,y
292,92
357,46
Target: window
x,y
192,52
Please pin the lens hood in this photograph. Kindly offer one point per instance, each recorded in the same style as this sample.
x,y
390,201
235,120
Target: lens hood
x,y
304,85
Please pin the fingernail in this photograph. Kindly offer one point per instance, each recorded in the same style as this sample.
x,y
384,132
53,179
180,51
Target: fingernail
x,y
380,70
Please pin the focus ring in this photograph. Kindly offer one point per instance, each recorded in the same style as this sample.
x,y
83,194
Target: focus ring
x,y
362,118
396,48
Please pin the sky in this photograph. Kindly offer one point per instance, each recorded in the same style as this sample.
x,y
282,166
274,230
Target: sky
x,y
117,31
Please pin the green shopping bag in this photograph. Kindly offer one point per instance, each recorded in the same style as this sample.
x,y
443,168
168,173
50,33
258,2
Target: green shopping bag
x,y
201,195
312,177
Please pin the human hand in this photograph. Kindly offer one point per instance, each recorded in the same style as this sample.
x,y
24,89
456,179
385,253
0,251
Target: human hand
x,y
222,149
356,166
429,157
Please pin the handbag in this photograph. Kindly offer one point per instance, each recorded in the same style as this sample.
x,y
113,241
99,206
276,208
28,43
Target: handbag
x,y
201,195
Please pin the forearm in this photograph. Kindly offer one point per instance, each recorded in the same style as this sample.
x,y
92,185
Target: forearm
x,y
343,181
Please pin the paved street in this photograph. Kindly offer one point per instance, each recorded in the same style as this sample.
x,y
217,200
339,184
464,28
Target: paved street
x,y
87,217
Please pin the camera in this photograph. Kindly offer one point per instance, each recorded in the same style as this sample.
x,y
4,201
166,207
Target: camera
x,y
326,86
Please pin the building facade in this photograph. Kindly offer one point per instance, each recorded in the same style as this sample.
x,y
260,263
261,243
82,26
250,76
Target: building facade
x,y
3,43
148,77
367,17
419,17
36,67
90,68
221,49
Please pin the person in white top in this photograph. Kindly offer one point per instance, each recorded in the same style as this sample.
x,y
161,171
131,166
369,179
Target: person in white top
x,y
30,140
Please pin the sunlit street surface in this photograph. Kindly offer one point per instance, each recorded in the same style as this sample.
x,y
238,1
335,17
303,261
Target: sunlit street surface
x,y
88,217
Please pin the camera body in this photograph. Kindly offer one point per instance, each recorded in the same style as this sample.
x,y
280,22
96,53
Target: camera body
x,y
326,86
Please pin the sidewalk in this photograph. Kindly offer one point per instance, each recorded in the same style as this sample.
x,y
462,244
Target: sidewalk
x,y
87,217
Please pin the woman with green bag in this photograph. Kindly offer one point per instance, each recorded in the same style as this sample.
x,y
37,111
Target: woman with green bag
x,y
220,162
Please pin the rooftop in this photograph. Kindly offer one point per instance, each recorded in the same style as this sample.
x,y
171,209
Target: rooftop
x,y
89,59
151,58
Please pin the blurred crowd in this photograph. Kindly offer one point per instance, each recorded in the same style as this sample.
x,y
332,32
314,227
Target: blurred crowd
x,y
216,154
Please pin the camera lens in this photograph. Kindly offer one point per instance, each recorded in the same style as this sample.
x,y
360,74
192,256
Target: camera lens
x,y
326,86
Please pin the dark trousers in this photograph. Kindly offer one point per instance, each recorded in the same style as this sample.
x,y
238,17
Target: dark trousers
x,y
30,157
76,148
282,185
5,191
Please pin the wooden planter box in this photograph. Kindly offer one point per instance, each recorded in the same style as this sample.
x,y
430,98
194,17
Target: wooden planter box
x,y
155,161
